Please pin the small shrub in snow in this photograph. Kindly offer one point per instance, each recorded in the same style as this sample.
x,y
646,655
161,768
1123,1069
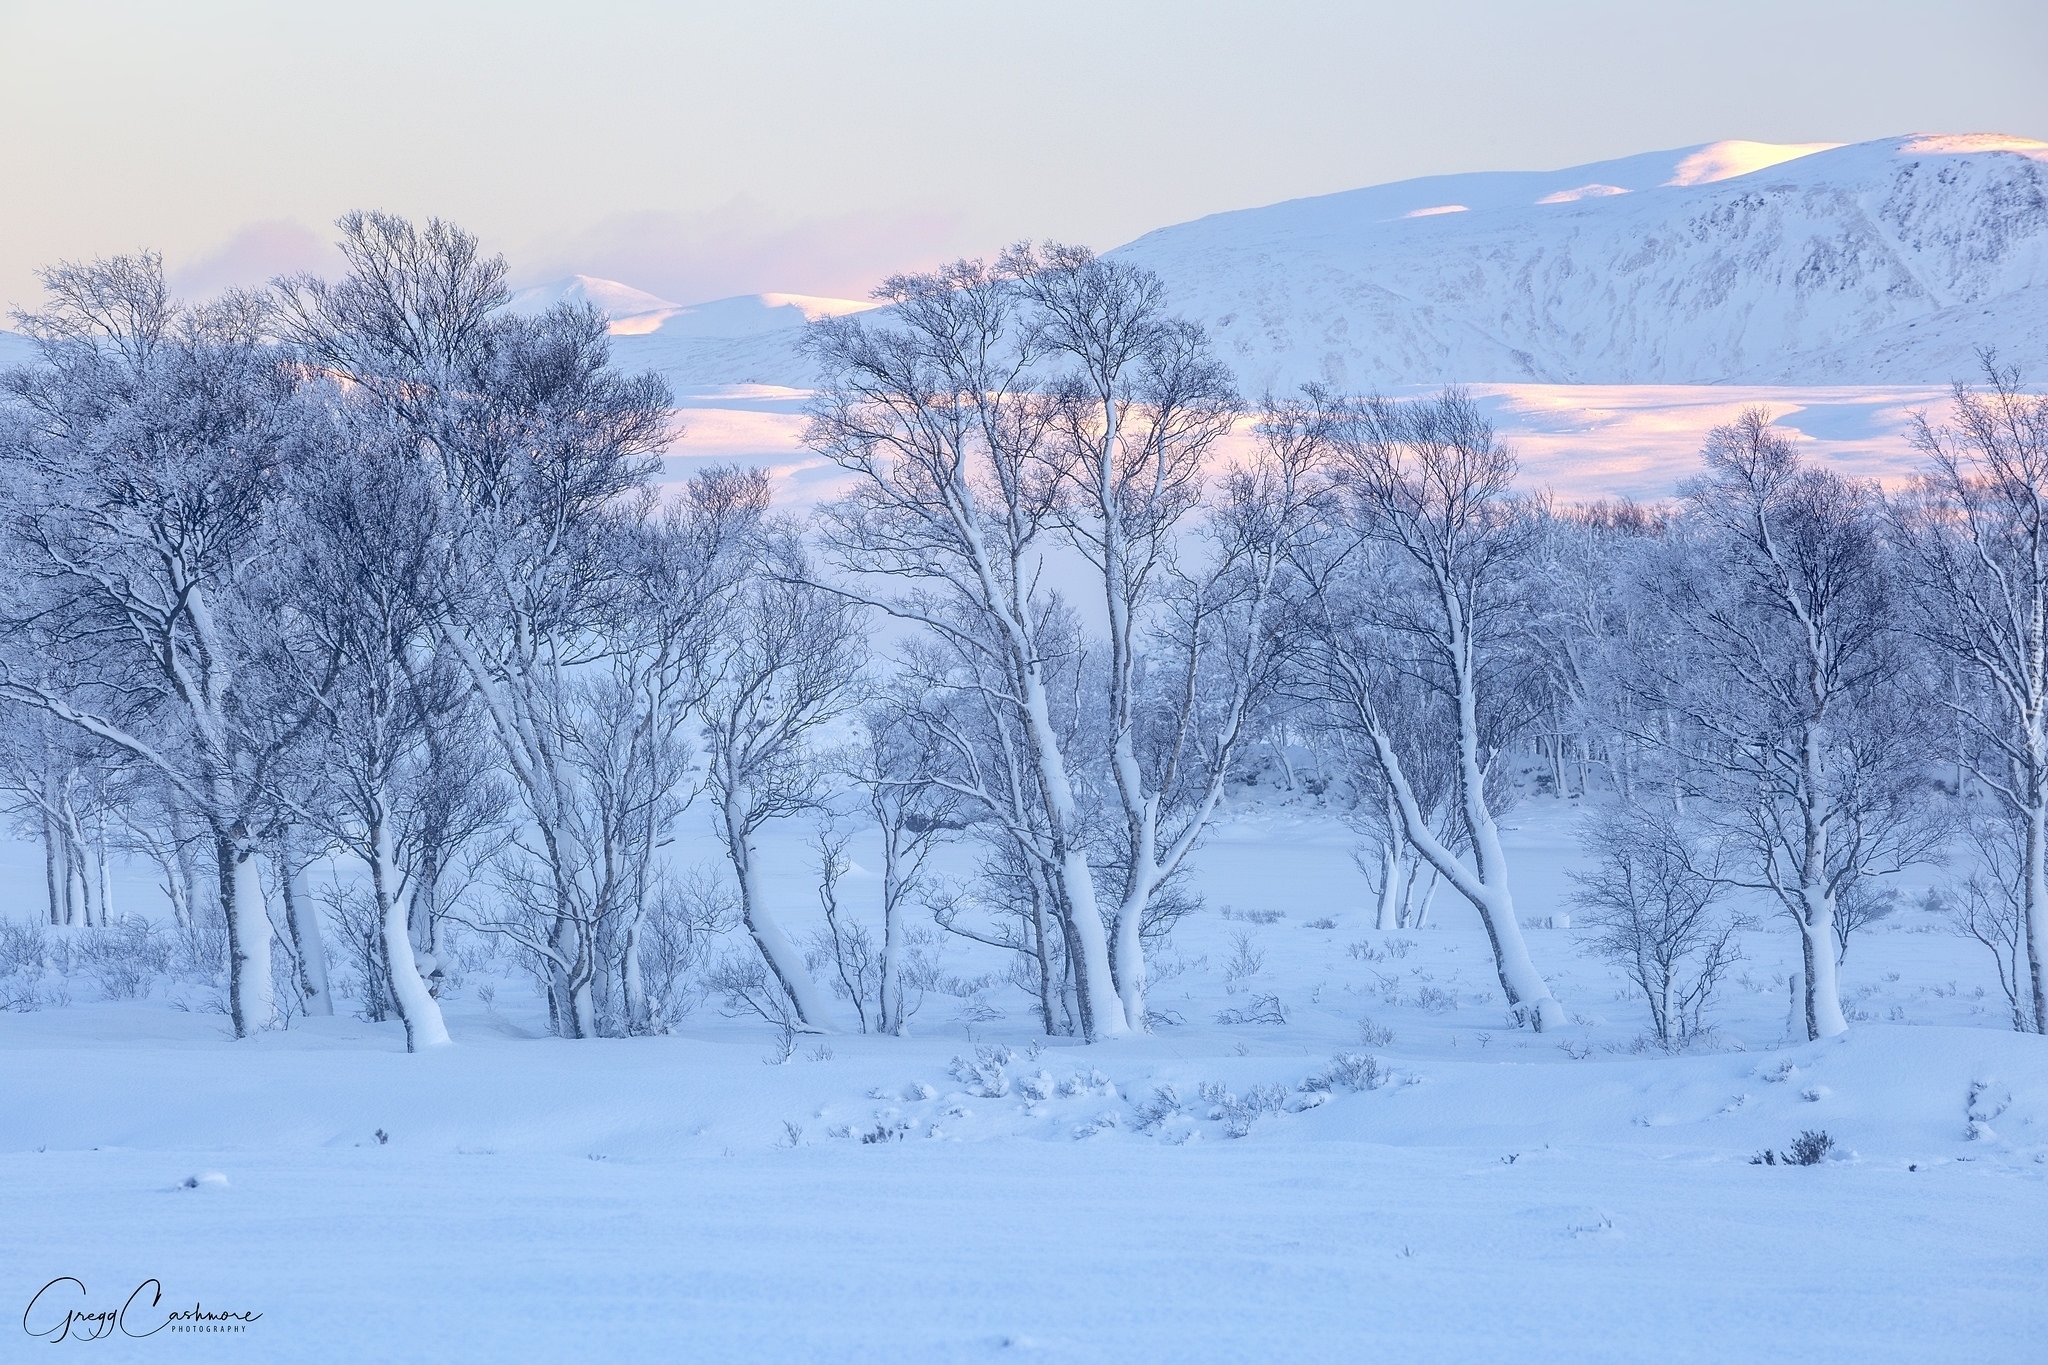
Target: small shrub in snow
x,y
1436,1001
1107,1121
1363,951
1247,959
984,1071
1094,1083
1652,906
1324,923
1348,1071
1810,1148
1238,1115
1398,948
21,949
1984,1105
1255,916
1373,1035
1037,1088
1264,1009
1164,1105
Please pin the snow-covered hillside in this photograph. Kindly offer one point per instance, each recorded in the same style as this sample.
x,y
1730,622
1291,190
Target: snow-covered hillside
x,y
1886,262
1879,262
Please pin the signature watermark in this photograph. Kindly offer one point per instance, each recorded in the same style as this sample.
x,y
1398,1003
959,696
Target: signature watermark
x,y
62,1311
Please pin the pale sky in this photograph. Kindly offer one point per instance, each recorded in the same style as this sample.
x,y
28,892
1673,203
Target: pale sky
x,y
702,150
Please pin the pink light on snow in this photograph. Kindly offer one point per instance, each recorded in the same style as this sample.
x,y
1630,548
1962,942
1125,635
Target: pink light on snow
x,y
1726,160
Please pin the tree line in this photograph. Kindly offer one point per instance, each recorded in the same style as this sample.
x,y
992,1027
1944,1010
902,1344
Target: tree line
x,y
373,569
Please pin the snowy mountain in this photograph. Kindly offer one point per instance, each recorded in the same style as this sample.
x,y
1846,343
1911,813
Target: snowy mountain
x,y
1878,262
632,311
635,312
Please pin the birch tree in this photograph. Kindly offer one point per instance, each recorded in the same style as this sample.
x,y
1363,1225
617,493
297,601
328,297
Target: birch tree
x,y
794,652
140,462
938,416
1974,536
1791,690
535,441
1421,585
356,640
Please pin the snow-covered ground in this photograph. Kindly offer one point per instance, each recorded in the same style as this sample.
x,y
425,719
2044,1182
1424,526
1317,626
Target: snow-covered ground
x,y
977,1191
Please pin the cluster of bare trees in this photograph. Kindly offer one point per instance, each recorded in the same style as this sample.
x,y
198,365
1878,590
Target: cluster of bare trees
x,y
374,570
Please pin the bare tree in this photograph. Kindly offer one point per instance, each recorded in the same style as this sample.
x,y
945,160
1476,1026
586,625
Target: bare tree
x,y
1652,906
1791,688
1975,539
943,426
1989,906
1421,585
1138,406
355,640
534,441
894,764
140,499
792,654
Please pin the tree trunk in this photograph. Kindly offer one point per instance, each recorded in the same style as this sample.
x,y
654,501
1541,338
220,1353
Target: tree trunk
x,y
417,1008
1824,1018
777,951
893,1021
1130,936
2037,906
1392,877
302,922
252,998
56,874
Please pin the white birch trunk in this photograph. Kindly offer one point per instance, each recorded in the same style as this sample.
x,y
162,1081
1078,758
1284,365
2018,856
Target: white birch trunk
x,y
2037,906
1393,875
777,951
893,1021
302,922
1102,1011
252,996
1824,1018
417,1008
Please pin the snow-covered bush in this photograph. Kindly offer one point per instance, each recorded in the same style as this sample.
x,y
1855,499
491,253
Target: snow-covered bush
x,y
1348,1071
1247,959
1164,1104
22,947
1237,1115
125,958
984,1072
1810,1148
1374,1035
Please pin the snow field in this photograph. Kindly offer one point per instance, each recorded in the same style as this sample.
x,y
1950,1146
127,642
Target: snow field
x,y
975,1191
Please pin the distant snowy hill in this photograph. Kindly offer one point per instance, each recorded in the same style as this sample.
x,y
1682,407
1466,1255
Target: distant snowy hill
x,y
15,349
1879,262
632,311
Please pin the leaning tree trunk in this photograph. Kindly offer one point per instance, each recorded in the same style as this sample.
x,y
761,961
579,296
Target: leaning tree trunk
x,y
780,955
417,1008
